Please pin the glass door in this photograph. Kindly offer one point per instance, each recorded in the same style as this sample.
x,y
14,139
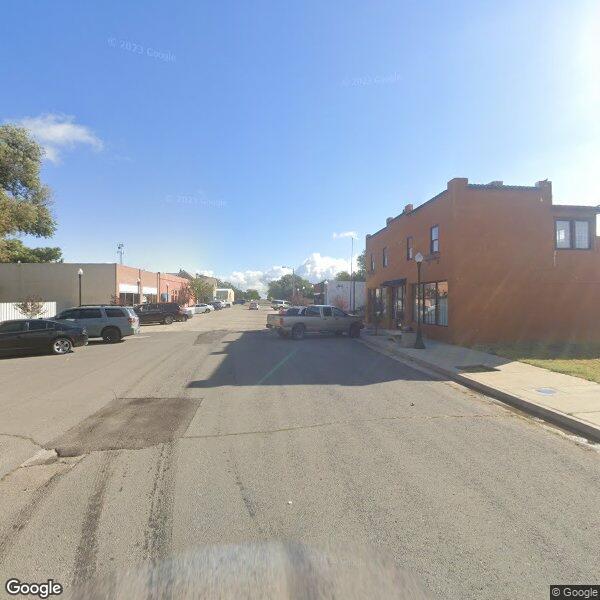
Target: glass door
x,y
399,298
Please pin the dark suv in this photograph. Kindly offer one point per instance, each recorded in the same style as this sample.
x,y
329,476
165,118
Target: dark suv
x,y
163,312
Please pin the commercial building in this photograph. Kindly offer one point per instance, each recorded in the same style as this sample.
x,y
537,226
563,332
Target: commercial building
x,y
501,263
346,295
101,283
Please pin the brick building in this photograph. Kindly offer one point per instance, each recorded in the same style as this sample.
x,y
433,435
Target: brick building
x,y
102,283
502,263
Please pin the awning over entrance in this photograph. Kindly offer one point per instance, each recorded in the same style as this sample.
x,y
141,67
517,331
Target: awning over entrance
x,y
394,282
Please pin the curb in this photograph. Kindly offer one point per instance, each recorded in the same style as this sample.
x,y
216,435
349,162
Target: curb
x,y
573,424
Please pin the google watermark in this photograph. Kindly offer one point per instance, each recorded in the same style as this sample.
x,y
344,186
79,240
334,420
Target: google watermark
x,y
48,588
135,48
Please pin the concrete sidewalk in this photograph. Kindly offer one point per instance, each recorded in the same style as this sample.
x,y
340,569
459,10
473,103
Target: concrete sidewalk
x,y
567,401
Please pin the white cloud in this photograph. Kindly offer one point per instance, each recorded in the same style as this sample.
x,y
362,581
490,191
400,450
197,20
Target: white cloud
x,y
56,133
315,268
345,234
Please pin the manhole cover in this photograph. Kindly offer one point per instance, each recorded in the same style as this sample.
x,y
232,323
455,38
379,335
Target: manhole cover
x,y
546,391
476,369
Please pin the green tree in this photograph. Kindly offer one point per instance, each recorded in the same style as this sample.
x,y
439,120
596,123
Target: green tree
x,y
201,289
361,267
343,276
24,200
282,289
16,251
252,295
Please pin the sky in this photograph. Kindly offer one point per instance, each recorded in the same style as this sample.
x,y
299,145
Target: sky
x,y
242,139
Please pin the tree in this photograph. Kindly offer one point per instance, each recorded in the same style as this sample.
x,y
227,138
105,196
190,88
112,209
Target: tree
x,y
31,307
343,276
24,200
361,267
252,295
185,294
201,289
282,289
16,251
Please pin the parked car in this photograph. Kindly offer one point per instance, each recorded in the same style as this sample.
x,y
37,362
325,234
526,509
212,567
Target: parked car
x,y
160,312
111,323
253,305
314,319
40,335
189,311
240,301
279,304
203,308
218,305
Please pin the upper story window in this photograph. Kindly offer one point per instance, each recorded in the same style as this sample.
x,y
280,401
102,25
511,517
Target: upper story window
x,y
434,244
372,264
384,257
572,234
409,248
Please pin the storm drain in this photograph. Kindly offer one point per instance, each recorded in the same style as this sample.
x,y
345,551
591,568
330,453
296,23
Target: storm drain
x,y
129,424
476,369
210,337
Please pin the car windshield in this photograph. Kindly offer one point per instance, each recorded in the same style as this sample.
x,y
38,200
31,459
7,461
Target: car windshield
x,y
338,267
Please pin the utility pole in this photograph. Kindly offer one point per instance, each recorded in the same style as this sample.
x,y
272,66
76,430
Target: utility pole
x,y
120,250
353,291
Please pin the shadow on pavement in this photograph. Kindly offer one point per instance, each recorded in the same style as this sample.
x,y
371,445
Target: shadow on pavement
x,y
261,358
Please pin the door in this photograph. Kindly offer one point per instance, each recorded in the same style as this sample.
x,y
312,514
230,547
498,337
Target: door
x,y
341,320
327,322
313,319
399,306
11,336
36,336
90,318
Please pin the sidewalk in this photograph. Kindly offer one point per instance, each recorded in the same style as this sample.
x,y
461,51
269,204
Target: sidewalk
x,y
567,401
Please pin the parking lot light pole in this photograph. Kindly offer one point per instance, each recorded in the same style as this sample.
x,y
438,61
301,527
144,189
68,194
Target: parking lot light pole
x,y
419,345
80,275
139,283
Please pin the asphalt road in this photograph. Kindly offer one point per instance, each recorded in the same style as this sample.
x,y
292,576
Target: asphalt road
x,y
211,457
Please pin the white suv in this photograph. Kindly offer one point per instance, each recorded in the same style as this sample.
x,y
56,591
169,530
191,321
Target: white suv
x,y
279,304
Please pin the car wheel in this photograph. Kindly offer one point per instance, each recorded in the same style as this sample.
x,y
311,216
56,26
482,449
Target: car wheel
x,y
298,332
168,319
61,346
111,335
354,331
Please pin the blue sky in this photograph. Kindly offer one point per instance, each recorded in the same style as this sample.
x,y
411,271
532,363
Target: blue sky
x,y
236,137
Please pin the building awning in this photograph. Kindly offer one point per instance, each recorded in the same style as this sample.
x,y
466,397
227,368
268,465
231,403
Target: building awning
x,y
394,282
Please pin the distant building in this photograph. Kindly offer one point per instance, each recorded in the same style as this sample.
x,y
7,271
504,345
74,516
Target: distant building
x,y
102,283
346,295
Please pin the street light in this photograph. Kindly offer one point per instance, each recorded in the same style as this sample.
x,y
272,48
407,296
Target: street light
x,y
419,345
80,275
139,284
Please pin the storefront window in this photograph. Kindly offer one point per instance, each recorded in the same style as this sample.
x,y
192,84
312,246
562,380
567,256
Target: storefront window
x,y
432,300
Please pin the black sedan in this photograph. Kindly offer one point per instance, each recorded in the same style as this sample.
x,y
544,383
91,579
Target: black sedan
x,y
40,335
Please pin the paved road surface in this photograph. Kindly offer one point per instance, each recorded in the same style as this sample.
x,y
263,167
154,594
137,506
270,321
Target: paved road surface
x,y
195,440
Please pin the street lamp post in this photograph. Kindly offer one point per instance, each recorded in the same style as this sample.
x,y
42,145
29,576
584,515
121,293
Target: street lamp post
x,y
80,275
139,284
419,345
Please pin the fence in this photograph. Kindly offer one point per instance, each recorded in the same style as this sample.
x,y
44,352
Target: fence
x,y
8,311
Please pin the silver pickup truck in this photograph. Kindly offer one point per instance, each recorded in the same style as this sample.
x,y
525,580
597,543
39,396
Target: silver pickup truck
x,y
317,318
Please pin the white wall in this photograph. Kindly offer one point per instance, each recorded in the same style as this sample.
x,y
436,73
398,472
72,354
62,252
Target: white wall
x,y
9,311
339,293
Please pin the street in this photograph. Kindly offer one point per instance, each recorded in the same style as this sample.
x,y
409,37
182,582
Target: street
x,y
212,433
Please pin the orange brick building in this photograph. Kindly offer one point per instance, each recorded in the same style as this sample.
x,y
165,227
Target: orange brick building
x,y
502,264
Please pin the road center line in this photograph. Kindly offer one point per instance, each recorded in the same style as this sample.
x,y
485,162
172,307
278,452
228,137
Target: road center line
x,y
279,364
